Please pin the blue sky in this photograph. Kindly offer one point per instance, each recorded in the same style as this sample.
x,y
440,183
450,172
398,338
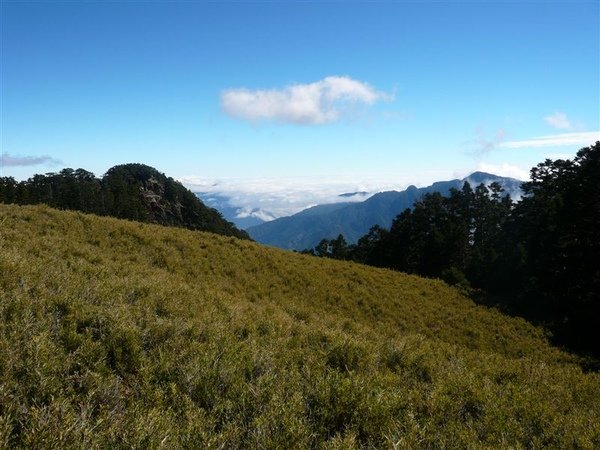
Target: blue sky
x,y
277,97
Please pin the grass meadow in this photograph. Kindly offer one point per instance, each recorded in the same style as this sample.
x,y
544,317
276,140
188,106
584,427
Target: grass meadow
x,y
117,334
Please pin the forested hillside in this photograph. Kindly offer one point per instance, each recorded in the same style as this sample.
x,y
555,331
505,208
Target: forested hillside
x,y
537,258
119,334
129,191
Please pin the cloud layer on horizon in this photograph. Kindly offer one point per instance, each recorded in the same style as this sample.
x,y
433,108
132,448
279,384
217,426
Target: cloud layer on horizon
x,y
276,197
270,198
316,103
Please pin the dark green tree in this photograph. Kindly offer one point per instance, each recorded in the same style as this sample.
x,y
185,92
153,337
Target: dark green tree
x,y
339,248
8,190
373,248
557,231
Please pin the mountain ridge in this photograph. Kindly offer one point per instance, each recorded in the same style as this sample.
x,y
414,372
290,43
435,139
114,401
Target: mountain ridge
x,y
353,220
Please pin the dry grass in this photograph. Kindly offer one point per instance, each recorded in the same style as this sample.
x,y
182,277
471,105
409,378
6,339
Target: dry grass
x,y
119,334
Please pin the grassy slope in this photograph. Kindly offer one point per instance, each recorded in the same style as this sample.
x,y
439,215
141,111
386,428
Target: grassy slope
x,y
115,333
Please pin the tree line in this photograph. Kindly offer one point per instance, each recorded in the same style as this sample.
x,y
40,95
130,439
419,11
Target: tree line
x,y
539,257
128,191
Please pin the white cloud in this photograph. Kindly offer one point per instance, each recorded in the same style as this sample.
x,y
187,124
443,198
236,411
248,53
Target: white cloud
x,y
321,102
556,140
559,120
258,213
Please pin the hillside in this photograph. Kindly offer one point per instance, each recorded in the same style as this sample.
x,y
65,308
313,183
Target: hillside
x,y
353,220
127,191
121,334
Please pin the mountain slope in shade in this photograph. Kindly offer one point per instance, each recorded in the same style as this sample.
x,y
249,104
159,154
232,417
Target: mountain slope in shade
x,y
306,228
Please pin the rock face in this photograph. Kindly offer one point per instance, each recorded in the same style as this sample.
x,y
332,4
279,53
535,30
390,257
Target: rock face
x,y
161,210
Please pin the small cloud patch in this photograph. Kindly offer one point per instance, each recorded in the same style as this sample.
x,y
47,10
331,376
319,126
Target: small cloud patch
x,y
19,161
483,145
559,120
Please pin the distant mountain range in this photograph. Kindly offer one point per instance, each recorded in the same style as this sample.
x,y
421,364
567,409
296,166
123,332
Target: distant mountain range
x,y
354,219
244,217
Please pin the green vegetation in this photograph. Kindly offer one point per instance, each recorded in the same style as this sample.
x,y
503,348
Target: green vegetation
x,y
537,258
121,334
129,191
